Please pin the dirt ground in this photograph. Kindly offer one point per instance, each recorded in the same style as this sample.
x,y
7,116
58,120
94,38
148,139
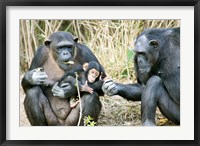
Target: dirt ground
x,y
116,111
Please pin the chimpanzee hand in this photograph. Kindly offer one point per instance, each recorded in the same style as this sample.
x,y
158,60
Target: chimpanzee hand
x,y
86,88
62,91
36,76
109,87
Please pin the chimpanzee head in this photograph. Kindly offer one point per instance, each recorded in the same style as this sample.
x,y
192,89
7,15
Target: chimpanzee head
x,y
92,71
152,43
62,46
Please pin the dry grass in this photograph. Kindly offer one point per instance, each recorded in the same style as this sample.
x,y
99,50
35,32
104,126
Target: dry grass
x,y
110,40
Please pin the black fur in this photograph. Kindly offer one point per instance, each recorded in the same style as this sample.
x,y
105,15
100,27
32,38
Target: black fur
x,y
42,108
161,47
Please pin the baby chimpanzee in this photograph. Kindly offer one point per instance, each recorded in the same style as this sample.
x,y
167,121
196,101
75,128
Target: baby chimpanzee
x,y
89,79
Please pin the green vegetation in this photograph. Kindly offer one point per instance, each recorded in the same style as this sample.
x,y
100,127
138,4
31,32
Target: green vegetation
x,y
88,121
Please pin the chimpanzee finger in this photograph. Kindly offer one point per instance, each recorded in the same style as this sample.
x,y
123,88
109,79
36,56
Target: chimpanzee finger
x,y
111,87
59,94
56,94
37,75
64,85
106,80
55,87
90,90
42,79
107,84
56,91
113,91
86,83
42,74
39,69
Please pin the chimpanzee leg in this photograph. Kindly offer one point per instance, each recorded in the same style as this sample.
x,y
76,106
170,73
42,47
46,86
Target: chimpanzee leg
x,y
38,109
169,108
91,106
155,94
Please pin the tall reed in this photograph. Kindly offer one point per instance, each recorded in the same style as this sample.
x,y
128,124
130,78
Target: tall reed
x,y
110,40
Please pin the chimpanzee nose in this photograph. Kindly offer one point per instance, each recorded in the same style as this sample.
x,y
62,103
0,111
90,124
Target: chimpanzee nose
x,y
139,61
65,53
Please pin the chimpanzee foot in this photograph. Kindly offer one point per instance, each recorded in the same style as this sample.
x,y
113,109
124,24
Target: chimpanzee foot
x,y
73,102
148,123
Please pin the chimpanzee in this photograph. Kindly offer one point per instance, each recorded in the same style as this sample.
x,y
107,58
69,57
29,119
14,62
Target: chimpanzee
x,y
49,64
88,79
160,49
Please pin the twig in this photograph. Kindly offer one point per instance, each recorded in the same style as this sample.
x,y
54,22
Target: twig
x,y
79,97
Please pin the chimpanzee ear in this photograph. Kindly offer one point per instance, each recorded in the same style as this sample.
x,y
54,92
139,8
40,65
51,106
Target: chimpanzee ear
x,y
76,39
47,43
85,66
172,32
154,43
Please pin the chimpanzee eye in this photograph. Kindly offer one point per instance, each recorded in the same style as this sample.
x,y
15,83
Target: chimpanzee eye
x,y
154,43
97,74
65,46
141,54
69,46
60,48
69,49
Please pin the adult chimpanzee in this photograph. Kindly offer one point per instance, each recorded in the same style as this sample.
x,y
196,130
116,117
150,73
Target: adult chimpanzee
x,y
158,51
49,64
88,79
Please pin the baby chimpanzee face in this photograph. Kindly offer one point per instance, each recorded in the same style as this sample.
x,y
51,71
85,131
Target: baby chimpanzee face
x,y
92,75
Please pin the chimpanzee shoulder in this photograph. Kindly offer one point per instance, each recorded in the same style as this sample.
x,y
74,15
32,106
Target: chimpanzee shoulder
x,y
83,50
41,55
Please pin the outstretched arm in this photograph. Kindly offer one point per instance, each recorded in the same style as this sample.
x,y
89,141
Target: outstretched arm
x,y
128,91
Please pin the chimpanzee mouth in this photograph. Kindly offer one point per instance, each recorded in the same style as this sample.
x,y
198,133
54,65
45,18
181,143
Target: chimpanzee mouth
x,y
142,71
145,70
68,62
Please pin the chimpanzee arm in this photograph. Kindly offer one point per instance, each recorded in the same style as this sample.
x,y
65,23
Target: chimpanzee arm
x,y
26,82
73,83
96,86
71,72
60,91
128,91
33,77
64,90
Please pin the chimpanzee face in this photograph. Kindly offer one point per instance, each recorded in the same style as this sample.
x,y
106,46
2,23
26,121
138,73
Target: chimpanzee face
x,y
92,71
64,51
62,47
143,63
147,50
93,74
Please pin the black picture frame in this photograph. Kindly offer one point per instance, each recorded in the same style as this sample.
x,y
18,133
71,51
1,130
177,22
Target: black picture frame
x,y
5,3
